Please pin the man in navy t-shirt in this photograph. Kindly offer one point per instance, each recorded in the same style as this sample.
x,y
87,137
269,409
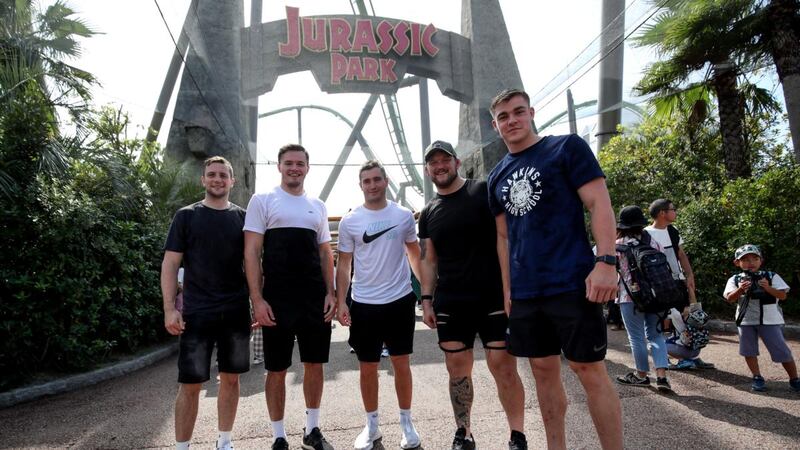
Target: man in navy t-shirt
x,y
553,286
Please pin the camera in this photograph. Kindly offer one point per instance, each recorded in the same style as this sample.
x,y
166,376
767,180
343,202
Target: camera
x,y
754,277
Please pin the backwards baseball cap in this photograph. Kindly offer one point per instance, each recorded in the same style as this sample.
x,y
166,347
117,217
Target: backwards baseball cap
x,y
439,146
747,250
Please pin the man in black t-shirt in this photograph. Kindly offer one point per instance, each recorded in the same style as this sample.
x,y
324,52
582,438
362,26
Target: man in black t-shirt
x,y
207,237
459,241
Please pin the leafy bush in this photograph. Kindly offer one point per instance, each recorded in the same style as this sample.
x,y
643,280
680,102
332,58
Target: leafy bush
x,y
80,275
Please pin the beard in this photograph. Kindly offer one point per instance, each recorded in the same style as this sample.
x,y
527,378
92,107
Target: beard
x,y
211,193
451,176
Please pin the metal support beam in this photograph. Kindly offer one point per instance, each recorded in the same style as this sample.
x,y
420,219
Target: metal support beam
x,y
168,87
348,146
573,123
425,130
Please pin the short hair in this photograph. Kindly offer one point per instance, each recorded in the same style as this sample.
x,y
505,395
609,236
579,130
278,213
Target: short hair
x,y
661,204
371,164
506,95
291,148
218,160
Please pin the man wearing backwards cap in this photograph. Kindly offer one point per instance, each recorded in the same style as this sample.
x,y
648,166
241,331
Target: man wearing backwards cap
x,y
462,292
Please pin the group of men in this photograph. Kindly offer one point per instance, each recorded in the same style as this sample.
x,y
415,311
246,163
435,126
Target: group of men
x,y
507,260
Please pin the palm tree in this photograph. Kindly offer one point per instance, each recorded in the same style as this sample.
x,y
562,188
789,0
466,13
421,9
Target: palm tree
x,y
779,27
700,41
35,84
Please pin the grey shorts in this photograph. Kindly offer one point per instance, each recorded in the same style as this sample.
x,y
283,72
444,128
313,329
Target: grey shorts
x,y
772,335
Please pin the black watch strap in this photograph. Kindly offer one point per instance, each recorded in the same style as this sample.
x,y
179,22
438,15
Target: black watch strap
x,y
426,297
611,260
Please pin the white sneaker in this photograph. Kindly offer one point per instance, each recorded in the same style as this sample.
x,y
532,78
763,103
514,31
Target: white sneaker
x,y
228,446
366,440
410,437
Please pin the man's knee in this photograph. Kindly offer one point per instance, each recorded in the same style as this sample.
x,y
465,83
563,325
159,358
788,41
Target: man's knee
x,y
276,376
547,366
229,379
590,373
459,364
501,363
190,389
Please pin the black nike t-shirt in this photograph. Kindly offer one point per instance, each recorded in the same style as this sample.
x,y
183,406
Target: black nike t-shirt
x,y
464,235
212,243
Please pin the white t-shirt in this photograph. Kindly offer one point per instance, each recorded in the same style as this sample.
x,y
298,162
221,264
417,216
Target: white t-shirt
x,y
661,235
378,240
772,312
280,209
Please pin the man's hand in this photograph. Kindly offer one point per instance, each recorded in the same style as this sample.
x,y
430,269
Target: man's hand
x,y
330,307
428,316
601,284
173,322
343,314
263,312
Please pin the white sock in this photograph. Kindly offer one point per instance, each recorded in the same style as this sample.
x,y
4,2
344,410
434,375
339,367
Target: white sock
x,y
182,445
277,429
312,419
224,438
372,420
405,415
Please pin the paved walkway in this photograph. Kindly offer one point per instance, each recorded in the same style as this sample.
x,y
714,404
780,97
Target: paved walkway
x,y
711,409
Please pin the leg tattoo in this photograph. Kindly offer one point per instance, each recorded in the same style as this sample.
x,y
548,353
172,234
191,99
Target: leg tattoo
x,y
461,395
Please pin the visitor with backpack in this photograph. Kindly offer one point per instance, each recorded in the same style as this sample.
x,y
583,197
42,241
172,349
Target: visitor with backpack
x,y
758,314
664,213
641,322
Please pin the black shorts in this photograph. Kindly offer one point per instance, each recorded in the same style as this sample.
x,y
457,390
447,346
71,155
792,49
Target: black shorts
x,y
567,322
304,320
229,330
373,325
460,321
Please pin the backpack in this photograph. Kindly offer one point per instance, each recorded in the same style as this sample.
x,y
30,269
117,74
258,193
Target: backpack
x,y
694,338
658,290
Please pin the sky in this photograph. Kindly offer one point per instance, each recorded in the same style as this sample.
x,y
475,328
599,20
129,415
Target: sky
x,y
131,54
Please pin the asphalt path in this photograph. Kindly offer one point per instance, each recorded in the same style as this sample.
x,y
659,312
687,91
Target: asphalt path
x,y
710,409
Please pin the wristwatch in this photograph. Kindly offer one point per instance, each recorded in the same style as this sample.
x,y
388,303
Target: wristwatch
x,y
611,260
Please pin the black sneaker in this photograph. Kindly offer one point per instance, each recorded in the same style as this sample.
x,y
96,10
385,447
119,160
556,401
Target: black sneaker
x,y
280,444
662,384
315,440
518,441
460,441
631,379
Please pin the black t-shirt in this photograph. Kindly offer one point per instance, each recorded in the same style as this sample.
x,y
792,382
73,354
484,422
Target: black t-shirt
x,y
463,232
212,243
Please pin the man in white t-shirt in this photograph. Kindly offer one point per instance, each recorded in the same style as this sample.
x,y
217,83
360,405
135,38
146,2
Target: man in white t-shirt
x,y
382,237
664,213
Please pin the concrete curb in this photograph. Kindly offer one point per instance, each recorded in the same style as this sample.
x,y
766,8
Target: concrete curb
x,y
71,383
790,330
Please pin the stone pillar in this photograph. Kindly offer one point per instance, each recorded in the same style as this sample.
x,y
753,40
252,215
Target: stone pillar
x,y
612,51
210,115
494,68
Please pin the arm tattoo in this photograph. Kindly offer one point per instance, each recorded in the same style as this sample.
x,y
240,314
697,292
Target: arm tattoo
x,y
461,395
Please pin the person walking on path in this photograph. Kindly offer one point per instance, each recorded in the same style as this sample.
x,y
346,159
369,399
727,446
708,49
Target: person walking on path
x,y
289,266
380,237
553,287
207,238
462,292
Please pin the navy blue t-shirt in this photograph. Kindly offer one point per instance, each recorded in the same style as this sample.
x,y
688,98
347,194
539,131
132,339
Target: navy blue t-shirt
x,y
537,189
